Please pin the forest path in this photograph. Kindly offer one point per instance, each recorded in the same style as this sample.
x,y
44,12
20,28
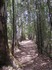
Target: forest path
x,y
29,58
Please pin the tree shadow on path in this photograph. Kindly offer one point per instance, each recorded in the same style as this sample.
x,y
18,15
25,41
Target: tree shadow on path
x,y
28,57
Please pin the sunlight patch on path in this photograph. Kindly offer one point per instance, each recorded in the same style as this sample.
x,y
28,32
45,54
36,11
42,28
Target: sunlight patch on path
x,y
26,42
28,59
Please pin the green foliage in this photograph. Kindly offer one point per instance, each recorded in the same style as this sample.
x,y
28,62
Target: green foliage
x,y
35,19
9,31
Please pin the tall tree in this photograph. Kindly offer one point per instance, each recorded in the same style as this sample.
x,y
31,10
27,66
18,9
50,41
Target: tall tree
x,y
49,3
13,28
3,34
40,43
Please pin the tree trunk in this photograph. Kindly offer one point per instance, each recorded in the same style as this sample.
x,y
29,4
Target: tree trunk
x,y
39,37
3,34
13,28
50,15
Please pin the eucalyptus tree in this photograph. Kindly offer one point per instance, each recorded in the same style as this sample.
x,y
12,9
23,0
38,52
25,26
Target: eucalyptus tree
x,y
39,26
4,58
49,3
43,26
11,9
13,27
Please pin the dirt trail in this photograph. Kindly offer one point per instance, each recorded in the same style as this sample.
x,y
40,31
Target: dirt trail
x,y
28,56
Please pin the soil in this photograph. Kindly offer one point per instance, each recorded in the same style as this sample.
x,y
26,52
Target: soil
x,y
28,58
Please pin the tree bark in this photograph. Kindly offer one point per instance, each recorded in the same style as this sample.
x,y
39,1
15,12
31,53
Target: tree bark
x,y
39,34
50,15
3,34
13,28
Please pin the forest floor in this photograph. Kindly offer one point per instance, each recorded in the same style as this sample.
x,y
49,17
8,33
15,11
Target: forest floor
x,y
28,57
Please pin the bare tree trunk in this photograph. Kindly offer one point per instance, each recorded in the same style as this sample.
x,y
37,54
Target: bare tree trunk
x,y
39,37
13,28
3,34
50,15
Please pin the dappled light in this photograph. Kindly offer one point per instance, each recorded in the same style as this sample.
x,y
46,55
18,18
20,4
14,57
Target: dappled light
x,y
29,58
25,34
